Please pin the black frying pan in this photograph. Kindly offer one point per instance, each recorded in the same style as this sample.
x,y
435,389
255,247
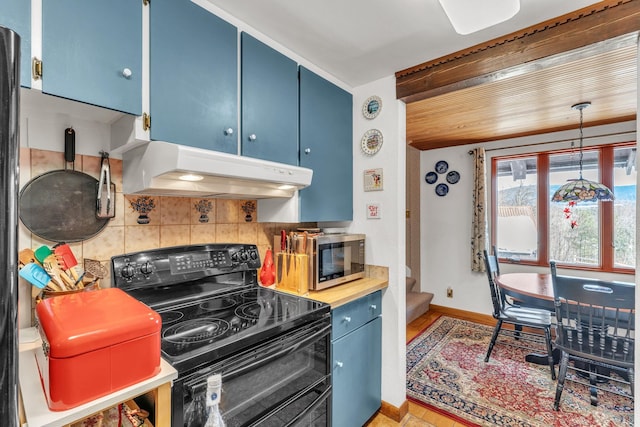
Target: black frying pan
x,y
60,206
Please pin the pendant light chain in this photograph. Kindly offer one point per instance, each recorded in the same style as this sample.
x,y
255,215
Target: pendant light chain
x,y
581,107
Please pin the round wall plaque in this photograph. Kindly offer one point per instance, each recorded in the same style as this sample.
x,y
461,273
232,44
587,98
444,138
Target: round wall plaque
x,y
371,142
371,107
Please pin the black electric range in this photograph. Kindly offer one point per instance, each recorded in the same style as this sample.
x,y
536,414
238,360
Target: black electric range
x,y
210,301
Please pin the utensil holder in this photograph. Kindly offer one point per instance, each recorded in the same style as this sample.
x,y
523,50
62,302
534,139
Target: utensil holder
x,y
50,294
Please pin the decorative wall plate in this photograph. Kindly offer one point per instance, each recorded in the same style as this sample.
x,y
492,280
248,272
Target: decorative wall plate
x,y
371,107
371,142
442,166
453,177
431,177
442,189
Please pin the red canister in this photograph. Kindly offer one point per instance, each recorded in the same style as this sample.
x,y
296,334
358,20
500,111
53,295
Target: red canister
x,y
93,344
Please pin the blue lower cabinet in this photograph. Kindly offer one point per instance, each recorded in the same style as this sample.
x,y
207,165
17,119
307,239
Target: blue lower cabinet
x,y
357,362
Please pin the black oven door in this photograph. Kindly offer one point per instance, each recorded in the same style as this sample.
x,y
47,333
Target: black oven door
x,y
285,381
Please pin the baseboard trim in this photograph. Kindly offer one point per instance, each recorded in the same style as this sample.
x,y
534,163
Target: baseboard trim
x,y
484,319
396,414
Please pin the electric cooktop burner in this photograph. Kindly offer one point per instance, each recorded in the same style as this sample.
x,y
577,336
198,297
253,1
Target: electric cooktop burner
x,y
169,317
195,331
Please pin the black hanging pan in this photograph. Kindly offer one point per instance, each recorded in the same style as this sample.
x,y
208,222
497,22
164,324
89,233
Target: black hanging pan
x,y
60,206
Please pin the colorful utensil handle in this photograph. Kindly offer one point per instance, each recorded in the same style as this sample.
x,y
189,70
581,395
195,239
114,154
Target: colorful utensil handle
x,y
35,275
64,253
42,253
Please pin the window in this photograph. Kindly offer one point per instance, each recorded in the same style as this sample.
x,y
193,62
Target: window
x,y
528,228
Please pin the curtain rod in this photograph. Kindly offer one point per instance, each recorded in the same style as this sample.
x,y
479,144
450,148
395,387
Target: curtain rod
x,y
554,142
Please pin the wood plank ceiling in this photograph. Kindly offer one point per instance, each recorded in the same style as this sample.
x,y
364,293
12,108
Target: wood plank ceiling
x,y
470,97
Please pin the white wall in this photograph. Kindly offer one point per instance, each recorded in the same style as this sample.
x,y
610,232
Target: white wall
x,y
446,221
385,243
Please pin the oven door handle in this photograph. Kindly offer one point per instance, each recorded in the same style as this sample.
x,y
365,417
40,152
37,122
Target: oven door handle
x,y
289,349
319,401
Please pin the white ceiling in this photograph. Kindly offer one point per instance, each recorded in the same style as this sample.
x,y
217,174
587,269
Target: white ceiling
x,y
359,41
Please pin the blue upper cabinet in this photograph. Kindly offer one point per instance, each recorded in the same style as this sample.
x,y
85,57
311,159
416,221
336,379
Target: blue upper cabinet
x,y
269,103
193,76
92,52
326,134
16,15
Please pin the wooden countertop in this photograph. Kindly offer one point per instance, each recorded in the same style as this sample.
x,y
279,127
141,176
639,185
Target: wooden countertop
x,y
347,292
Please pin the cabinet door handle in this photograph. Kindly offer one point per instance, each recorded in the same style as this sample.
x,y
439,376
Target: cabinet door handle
x,y
126,73
307,151
373,306
347,319
252,137
339,364
228,131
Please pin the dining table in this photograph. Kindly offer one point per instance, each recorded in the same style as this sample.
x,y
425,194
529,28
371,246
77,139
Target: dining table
x,y
533,290
528,289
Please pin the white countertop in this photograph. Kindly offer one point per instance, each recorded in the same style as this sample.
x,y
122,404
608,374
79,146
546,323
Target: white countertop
x,y
35,405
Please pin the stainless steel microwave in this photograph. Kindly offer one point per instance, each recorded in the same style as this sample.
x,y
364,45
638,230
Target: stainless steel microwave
x,y
335,259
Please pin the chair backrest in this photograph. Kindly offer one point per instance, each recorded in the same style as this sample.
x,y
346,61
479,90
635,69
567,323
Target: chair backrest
x,y
595,318
491,265
495,254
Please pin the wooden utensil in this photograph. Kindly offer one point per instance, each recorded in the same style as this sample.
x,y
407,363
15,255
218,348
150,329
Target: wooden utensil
x,y
50,264
25,257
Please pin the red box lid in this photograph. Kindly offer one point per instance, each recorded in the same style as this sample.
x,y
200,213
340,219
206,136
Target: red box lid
x,y
78,323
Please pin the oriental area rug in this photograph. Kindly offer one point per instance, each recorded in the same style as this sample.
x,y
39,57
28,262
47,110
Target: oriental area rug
x,y
446,373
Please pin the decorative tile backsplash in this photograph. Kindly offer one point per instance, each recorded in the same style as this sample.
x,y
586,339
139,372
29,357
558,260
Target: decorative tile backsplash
x,y
148,222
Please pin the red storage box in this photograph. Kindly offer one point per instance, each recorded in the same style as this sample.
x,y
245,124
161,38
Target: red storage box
x,y
95,343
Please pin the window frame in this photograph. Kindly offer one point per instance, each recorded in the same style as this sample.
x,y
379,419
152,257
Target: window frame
x,y
606,169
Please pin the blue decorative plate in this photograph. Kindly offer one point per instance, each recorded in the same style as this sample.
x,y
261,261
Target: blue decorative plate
x,y
453,177
431,177
442,189
442,166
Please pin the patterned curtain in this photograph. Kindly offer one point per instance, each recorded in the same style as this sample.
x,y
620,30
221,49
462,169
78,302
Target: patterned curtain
x,y
479,226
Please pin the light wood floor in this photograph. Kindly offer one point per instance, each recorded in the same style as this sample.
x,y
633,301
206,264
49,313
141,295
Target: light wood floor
x,y
418,415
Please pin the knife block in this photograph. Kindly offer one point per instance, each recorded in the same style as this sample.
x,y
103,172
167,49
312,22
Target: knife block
x,y
292,272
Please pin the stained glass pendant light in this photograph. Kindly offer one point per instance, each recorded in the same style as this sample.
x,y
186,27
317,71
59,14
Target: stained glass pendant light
x,y
582,190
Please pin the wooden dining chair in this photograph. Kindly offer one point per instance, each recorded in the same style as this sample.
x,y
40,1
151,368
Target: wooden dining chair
x,y
519,317
595,328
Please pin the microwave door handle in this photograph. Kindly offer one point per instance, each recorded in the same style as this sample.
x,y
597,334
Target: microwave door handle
x,y
289,349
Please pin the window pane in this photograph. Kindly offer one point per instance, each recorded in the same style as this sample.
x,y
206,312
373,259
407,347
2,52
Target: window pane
x,y
517,212
624,208
574,229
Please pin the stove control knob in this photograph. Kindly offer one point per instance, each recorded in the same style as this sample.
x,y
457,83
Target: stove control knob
x,y
244,256
128,271
254,255
146,268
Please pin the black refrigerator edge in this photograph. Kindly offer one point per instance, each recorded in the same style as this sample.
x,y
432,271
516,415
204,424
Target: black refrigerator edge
x,y
9,185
